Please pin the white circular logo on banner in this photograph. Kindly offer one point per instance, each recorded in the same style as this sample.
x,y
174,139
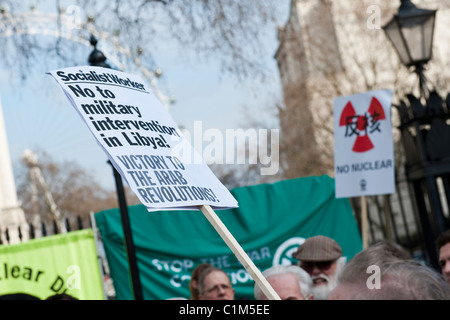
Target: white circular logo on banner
x,y
283,255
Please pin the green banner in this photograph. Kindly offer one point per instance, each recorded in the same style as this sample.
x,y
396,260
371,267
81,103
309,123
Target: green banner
x,y
40,268
271,222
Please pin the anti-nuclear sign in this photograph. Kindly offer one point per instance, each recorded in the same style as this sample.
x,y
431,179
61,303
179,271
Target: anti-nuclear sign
x,y
364,150
142,140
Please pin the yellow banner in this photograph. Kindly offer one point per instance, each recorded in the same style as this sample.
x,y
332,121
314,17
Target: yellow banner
x,y
51,266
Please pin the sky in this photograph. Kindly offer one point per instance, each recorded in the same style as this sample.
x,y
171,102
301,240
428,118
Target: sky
x,y
38,116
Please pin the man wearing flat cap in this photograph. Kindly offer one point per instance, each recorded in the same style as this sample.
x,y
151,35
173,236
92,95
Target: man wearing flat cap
x,y
321,257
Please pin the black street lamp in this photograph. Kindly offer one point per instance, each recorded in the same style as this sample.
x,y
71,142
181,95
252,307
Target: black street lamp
x,y
98,59
411,33
424,126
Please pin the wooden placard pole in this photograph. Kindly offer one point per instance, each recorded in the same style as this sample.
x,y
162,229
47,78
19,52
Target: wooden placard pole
x,y
364,222
239,253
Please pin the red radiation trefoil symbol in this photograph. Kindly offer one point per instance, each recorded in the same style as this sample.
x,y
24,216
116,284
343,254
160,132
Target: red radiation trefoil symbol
x,y
362,125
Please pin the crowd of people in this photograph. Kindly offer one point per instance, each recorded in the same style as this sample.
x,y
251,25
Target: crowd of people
x,y
383,271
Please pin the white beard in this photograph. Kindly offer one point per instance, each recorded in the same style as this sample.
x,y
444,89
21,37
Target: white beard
x,y
322,291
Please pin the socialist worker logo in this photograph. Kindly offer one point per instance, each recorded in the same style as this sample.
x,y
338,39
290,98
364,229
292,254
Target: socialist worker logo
x,y
362,126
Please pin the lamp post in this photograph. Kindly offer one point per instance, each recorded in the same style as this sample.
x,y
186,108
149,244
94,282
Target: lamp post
x,y
424,127
98,59
411,33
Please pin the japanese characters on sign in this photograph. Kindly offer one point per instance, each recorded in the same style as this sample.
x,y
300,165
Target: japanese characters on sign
x,y
364,152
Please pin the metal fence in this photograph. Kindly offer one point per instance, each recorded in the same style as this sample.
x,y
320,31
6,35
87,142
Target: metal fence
x,y
395,217
45,229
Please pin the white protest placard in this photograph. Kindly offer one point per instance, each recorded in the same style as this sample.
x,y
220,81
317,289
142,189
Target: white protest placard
x,y
149,151
142,140
364,149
